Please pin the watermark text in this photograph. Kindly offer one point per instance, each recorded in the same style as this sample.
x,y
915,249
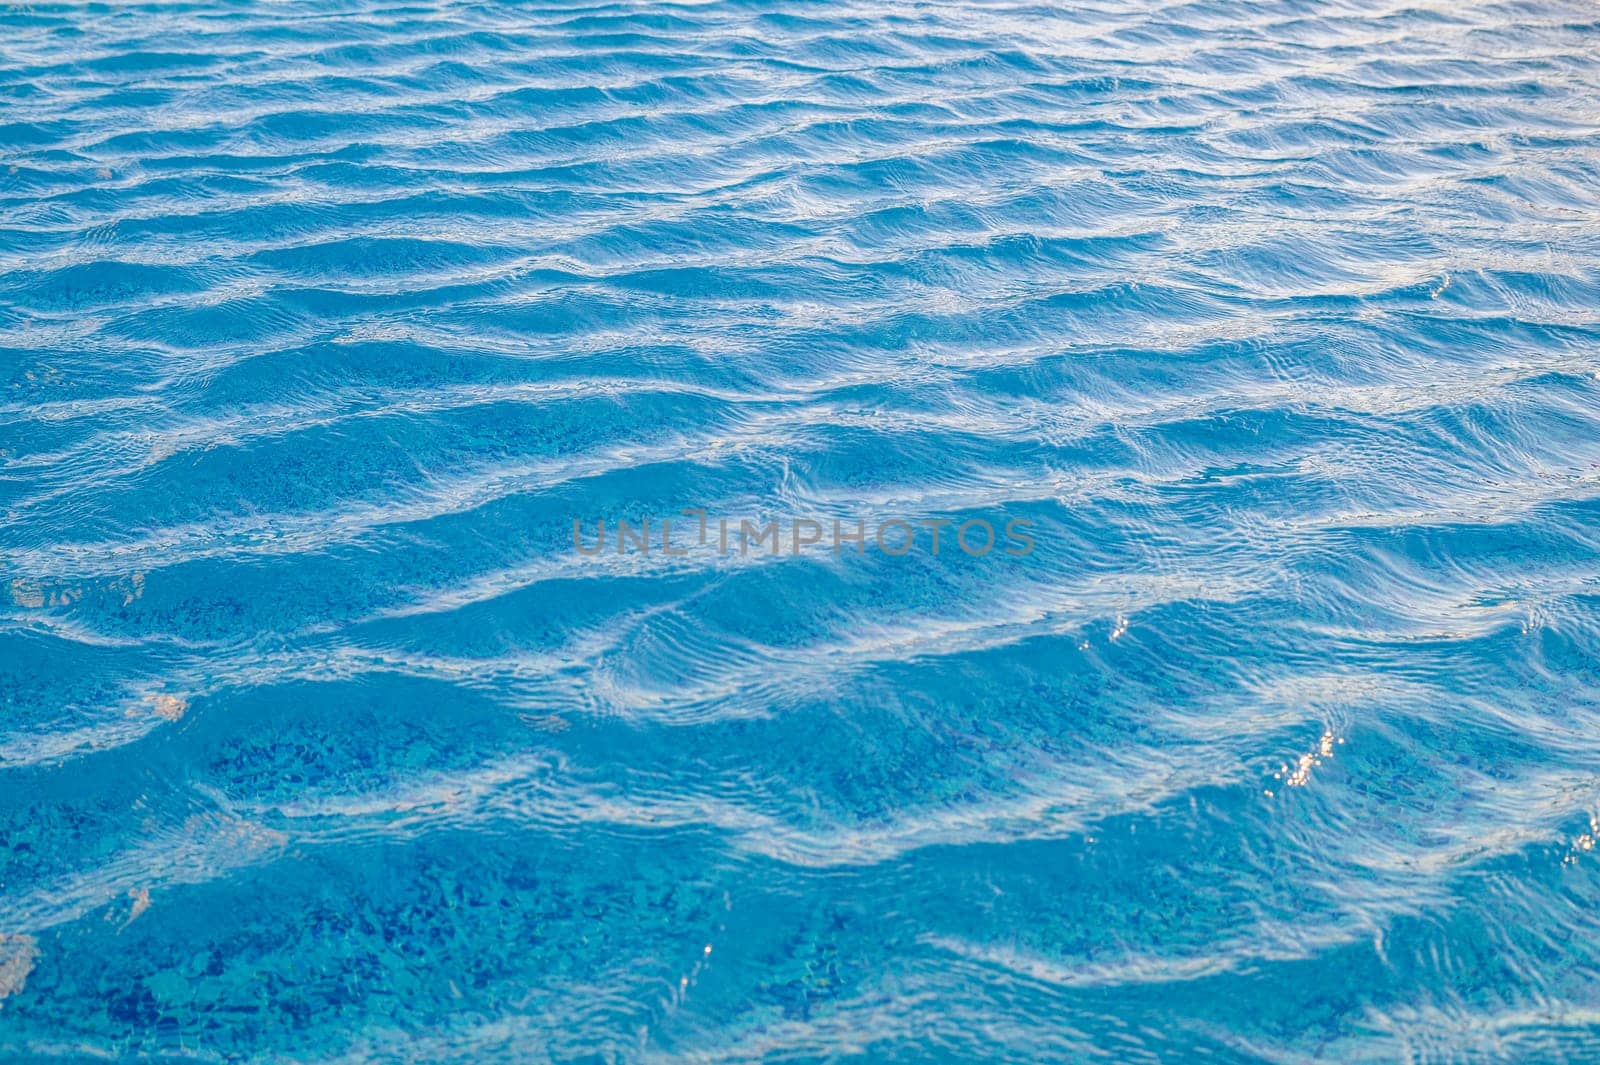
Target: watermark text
x,y
793,535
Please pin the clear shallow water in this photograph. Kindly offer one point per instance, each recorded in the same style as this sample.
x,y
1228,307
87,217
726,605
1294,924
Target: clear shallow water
x,y
321,323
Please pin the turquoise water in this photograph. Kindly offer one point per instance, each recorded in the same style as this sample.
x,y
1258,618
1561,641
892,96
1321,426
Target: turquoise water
x,y
1274,328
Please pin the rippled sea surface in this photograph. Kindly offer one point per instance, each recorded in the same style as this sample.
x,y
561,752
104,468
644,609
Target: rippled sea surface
x,y
320,323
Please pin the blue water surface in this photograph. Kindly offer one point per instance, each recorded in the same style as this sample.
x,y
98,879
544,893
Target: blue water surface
x,y
1276,323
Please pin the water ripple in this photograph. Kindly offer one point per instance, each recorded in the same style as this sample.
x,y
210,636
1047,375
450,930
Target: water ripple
x,y
322,324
